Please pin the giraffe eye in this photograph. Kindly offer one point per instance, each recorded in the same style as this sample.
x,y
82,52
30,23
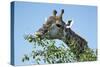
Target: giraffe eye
x,y
58,25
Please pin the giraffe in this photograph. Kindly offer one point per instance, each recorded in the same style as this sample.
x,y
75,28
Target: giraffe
x,y
56,28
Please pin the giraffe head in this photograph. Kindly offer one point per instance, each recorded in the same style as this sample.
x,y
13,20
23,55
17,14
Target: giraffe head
x,y
53,27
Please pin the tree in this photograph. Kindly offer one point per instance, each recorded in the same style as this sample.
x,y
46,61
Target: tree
x,y
50,53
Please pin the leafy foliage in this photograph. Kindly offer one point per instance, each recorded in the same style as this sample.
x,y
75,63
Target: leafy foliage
x,y
48,52
88,55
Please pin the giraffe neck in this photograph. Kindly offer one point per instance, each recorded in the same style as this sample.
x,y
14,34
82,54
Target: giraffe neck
x,y
76,43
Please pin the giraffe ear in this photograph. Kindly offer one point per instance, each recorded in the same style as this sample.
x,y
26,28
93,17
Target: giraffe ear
x,y
69,23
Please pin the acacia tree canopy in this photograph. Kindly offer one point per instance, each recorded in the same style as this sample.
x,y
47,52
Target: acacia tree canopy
x,y
50,53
